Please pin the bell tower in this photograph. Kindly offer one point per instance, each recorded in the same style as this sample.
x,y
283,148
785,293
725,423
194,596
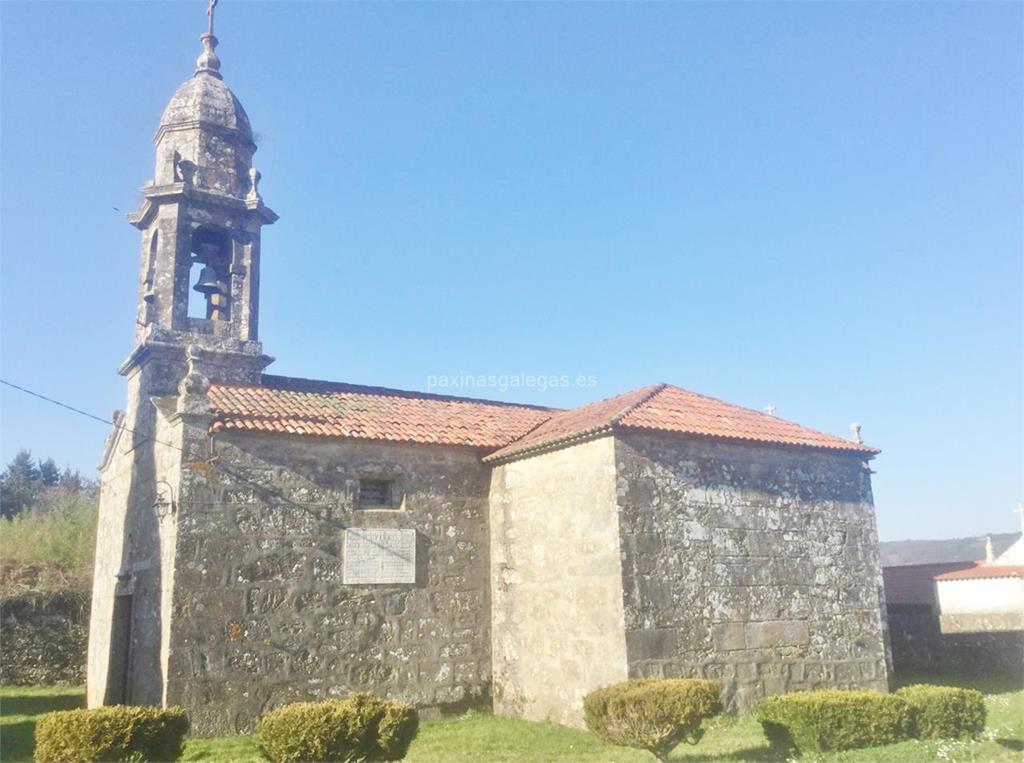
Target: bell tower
x,y
201,218
197,323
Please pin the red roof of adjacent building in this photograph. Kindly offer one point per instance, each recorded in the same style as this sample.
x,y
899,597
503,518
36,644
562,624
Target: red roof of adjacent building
x,y
981,571
915,583
306,407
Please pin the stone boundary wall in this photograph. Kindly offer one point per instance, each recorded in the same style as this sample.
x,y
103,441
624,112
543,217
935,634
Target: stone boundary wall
x,y
43,637
919,645
982,623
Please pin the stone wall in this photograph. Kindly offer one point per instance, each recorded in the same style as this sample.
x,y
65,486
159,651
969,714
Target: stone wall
x,y
129,623
557,595
752,565
920,646
261,616
43,637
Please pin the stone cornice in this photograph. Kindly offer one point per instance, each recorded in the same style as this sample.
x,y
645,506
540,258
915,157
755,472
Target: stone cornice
x,y
155,195
217,351
202,124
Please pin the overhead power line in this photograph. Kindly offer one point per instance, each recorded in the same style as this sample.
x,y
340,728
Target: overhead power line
x,y
80,412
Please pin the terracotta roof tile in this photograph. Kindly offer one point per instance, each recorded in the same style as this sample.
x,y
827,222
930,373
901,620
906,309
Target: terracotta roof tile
x,y
678,410
665,408
576,423
307,407
982,571
327,409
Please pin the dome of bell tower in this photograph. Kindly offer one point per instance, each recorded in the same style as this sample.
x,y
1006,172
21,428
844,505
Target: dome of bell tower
x,y
205,99
205,138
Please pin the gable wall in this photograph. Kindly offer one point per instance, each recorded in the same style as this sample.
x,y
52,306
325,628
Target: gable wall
x,y
752,565
264,617
557,617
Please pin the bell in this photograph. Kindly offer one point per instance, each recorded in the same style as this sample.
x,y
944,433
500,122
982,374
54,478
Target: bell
x,y
207,283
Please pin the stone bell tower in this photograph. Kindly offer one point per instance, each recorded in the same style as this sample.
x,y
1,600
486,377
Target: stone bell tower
x,y
200,219
197,322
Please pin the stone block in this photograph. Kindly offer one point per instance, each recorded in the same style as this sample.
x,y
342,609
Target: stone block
x,y
777,633
729,636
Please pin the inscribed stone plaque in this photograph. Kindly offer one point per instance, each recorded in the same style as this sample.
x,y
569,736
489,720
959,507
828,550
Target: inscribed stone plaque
x,y
379,556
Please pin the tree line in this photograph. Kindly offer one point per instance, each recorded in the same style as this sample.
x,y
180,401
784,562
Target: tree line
x,y
28,483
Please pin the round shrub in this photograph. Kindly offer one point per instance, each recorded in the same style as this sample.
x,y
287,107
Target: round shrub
x,y
115,733
652,714
819,721
359,727
944,712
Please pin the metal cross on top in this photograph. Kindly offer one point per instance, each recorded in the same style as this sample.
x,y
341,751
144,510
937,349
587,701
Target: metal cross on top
x,y
209,12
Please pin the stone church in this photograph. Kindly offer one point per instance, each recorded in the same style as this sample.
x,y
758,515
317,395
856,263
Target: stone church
x,y
264,539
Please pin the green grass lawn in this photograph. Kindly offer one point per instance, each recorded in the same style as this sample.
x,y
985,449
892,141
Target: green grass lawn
x,y
475,736
19,708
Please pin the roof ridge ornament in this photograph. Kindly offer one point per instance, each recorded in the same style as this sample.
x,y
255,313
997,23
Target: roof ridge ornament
x,y
208,62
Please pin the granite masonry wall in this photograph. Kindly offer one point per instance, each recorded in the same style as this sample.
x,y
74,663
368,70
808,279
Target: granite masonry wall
x,y
44,636
984,648
261,616
752,565
130,611
557,585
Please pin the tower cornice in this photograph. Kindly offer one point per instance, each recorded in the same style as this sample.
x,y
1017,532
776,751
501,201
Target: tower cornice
x,y
170,193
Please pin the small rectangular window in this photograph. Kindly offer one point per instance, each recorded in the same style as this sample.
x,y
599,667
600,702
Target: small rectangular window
x,y
375,494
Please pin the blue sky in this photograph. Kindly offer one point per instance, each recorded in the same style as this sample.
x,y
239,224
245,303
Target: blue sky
x,y
811,205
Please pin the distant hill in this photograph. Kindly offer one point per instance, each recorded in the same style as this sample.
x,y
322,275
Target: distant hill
x,y
899,552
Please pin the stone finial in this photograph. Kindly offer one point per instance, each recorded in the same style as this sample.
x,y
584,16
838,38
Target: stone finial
x,y
855,428
208,62
770,409
194,382
990,554
254,189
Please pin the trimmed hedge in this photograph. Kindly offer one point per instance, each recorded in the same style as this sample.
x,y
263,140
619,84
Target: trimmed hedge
x,y
820,721
359,727
115,733
944,712
653,714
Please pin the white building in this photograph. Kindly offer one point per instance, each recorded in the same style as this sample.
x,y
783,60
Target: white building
x,y
988,596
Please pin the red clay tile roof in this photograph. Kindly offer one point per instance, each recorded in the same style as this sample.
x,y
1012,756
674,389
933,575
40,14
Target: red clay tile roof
x,y
303,406
307,407
981,571
915,583
665,408
576,424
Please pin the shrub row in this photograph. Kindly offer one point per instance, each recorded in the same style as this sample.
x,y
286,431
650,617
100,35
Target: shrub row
x,y
359,727
115,733
833,720
944,712
651,714
821,721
